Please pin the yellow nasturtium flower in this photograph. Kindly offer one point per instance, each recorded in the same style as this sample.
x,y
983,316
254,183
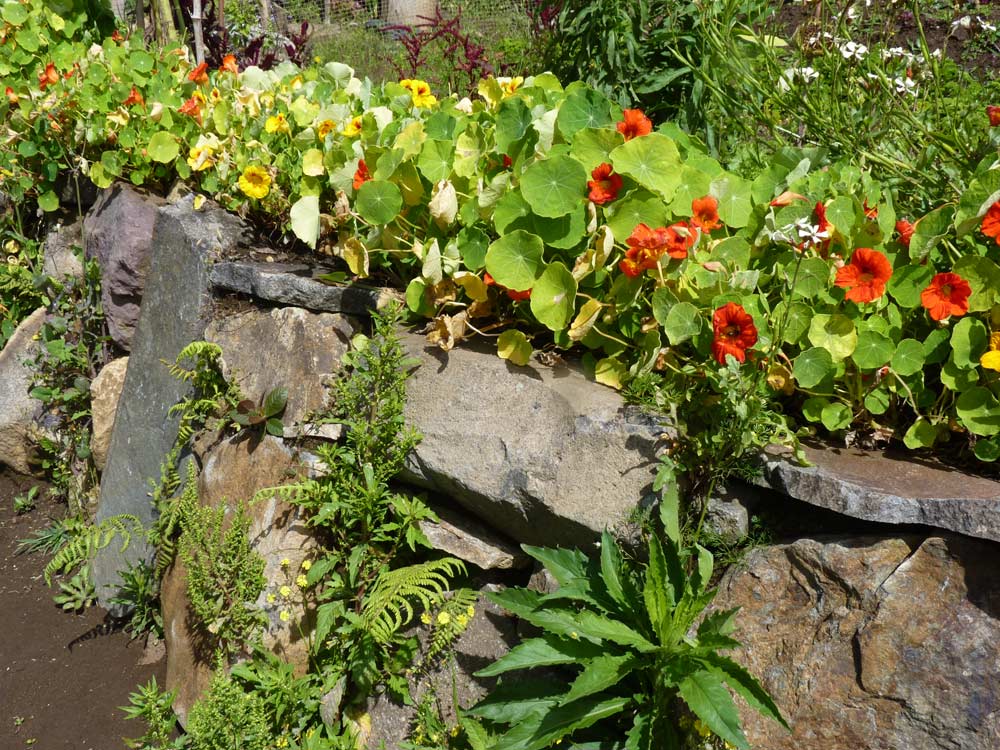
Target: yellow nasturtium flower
x,y
255,182
325,128
201,158
509,85
422,96
991,359
353,127
277,124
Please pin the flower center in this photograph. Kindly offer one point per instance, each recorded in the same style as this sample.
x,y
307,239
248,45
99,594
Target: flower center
x,y
731,331
946,290
866,278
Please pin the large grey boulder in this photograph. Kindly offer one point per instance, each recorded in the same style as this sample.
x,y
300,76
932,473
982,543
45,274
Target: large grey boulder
x,y
119,234
175,311
287,346
868,643
542,454
874,486
17,409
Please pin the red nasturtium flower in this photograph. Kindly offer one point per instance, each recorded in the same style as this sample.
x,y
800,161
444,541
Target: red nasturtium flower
x,y
605,185
117,37
229,65
634,124
507,162
361,175
134,97
12,96
865,276
705,213
991,222
513,294
871,212
48,77
200,74
734,333
905,230
681,238
192,107
946,295
993,112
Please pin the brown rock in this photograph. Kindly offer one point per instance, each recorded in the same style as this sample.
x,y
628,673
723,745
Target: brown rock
x,y
887,644
17,409
104,394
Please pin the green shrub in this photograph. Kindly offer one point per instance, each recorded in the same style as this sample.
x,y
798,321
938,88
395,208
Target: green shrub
x,y
228,718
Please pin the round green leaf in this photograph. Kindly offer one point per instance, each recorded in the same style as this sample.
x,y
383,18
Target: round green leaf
x,y
554,187
583,108
958,378
835,333
633,211
983,276
812,278
683,322
937,346
987,450
836,416
812,366
553,297
163,147
312,163
930,230
515,260
812,408
735,203
873,350
591,146
979,410
379,202
662,302
797,323
511,207
877,402
472,246
141,61
304,216
435,160
653,161
15,13
969,339
842,215
909,357
514,347
48,201
921,434
906,284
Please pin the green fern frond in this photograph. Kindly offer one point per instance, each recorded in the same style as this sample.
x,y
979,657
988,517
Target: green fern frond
x,y
91,539
173,515
446,630
200,354
389,605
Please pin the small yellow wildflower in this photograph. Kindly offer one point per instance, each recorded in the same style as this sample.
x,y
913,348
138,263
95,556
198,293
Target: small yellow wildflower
x,y
574,635
301,582
271,598
317,59
306,565
462,621
267,100
425,618
285,615
296,83
701,728
277,124
285,562
454,731
200,97
471,611
285,591
353,127
325,128
509,85
281,742
991,359
255,182
443,618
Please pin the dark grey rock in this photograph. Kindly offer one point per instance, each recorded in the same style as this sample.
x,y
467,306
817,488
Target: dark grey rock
x,y
18,411
878,487
541,454
174,313
61,260
119,234
296,284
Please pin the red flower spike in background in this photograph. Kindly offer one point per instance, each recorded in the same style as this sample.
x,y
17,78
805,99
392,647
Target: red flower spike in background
x,y
192,107
993,112
200,74
229,65
634,124
705,213
946,295
361,175
48,77
865,276
905,230
734,333
605,185
991,222
134,97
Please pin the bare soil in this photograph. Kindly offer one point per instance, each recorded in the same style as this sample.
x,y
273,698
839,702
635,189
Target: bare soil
x,y
62,675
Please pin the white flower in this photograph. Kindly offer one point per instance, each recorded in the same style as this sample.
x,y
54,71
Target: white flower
x,y
965,22
905,86
985,25
790,75
853,50
808,232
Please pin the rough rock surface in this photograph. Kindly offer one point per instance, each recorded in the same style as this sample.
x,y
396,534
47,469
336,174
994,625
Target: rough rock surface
x,y
119,234
292,284
17,409
104,394
890,489
287,346
542,454
234,471
868,643
464,537
60,261
174,313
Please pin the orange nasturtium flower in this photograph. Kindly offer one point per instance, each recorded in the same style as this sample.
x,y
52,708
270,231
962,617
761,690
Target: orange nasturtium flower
x,y
605,185
12,96
229,65
865,276
48,77
734,333
705,213
200,74
255,182
946,295
634,124
993,112
991,222
134,97
192,107
991,359
361,175
905,229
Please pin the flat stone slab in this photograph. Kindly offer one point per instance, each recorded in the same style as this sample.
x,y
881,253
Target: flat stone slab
x,y
875,486
297,284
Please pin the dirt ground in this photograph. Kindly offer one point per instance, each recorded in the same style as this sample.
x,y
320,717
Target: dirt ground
x,y
62,676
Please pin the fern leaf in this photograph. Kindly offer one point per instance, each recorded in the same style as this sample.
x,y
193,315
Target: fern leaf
x,y
90,540
389,606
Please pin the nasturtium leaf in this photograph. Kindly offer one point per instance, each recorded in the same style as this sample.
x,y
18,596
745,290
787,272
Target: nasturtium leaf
x,y
610,372
979,411
958,378
930,230
515,260
937,346
435,160
163,147
582,108
472,245
982,193
835,333
553,297
653,161
141,61
592,146
662,302
512,122
734,252
379,202
468,150
969,339
841,213
584,321
514,347
312,163
474,286
511,207
99,176
922,434
28,39
799,316
694,184
812,408
877,401
906,284
812,366
683,321
812,278
735,203
14,13
983,276
554,186
987,450
873,350
416,298
411,139
836,416
304,216
48,201
909,357
639,209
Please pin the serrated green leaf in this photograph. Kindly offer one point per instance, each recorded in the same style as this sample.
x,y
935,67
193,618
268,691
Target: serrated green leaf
x,y
709,700
546,651
599,674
